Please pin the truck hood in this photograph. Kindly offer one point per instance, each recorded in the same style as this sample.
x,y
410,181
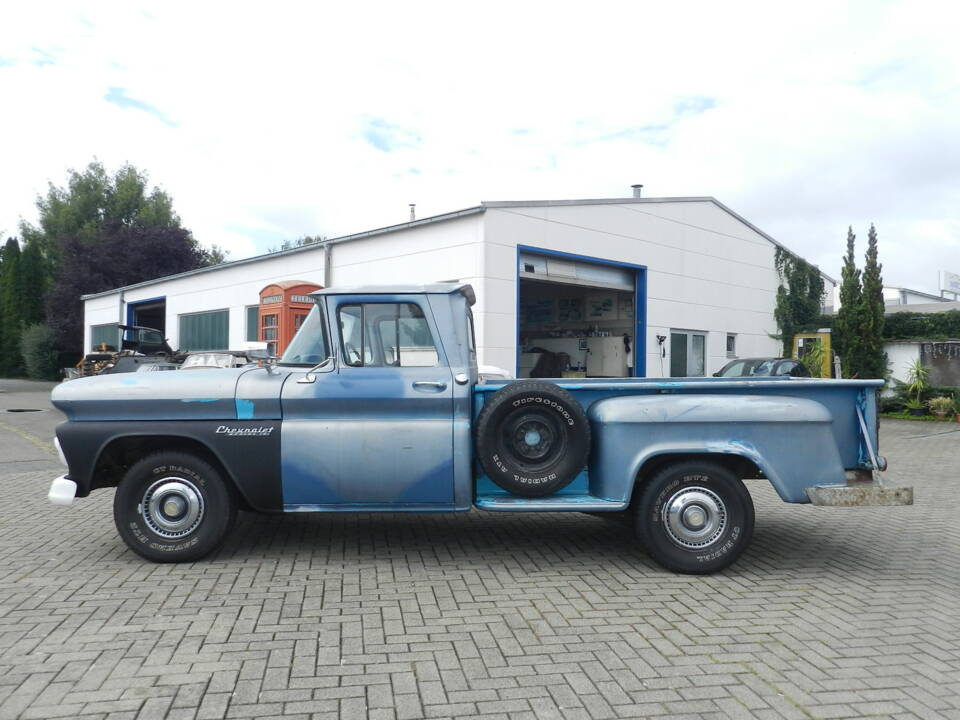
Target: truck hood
x,y
177,395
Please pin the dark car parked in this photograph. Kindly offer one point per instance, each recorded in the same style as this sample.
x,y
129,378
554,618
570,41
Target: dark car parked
x,y
763,367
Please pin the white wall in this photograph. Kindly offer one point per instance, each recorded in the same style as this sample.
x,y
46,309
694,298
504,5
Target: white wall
x,y
448,250
706,271
232,288
900,356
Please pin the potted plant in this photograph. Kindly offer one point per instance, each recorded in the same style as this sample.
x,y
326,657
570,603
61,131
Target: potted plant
x,y
917,382
915,407
940,405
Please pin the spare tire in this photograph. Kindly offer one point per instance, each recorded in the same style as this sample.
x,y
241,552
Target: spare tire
x,y
532,438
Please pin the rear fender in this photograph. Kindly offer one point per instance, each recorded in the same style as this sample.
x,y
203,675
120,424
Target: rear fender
x,y
788,438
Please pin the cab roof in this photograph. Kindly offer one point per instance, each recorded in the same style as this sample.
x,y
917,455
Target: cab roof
x,y
440,288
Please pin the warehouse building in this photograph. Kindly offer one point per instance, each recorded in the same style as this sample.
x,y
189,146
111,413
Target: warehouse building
x,y
613,287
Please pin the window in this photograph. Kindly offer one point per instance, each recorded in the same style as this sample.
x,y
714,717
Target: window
x,y
687,353
104,335
386,334
731,345
205,331
310,346
270,326
253,318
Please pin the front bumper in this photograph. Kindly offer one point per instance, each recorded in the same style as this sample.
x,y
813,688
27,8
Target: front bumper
x,y
62,491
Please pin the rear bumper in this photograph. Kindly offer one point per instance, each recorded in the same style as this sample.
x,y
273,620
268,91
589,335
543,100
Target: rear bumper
x,y
62,491
862,489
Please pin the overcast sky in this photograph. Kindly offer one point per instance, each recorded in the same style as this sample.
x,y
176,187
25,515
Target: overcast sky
x,y
269,121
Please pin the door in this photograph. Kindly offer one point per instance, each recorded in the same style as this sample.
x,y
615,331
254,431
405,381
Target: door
x,y
376,430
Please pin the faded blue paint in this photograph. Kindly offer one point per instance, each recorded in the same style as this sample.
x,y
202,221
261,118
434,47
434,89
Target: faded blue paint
x,y
192,400
367,436
245,409
151,396
799,432
552,503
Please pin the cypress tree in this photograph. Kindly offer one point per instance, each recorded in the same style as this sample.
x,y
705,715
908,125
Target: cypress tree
x,y
846,330
11,317
873,360
33,281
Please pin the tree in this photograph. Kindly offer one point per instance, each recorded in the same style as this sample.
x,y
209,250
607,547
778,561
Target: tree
x,y
872,362
38,346
33,283
299,242
93,199
846,330
214,255
11,317
799,297
123,255
79,242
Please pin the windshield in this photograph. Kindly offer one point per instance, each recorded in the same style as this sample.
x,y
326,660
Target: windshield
x,y
309,345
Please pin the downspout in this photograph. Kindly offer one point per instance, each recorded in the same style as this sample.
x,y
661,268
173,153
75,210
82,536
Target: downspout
x,y
121,319
327,263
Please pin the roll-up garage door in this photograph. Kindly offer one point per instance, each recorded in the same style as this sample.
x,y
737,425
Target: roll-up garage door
x,y
205,331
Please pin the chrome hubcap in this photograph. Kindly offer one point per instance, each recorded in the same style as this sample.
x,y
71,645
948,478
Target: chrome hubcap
x,y
172,507
694,517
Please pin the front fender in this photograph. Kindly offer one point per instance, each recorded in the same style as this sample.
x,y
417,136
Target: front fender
x,y
249,451
789,438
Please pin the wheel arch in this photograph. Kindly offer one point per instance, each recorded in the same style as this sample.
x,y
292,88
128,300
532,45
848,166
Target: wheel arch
x,y
120,452
741,464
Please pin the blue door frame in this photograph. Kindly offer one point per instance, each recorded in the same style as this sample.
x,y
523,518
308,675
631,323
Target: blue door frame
x,y
132,307
639,302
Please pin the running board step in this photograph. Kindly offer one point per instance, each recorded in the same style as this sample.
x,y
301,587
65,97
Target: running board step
x,y
552,503
859,494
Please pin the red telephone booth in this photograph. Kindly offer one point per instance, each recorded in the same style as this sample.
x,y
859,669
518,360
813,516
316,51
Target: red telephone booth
x,y
283,308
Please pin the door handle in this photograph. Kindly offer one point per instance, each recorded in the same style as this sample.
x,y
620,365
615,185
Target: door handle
x,y
434,385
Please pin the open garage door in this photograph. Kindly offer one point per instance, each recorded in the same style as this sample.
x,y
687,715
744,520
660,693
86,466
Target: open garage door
x,y
578,316
150,313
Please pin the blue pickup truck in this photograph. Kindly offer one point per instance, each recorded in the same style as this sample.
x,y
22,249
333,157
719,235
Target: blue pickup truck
x,y
376,406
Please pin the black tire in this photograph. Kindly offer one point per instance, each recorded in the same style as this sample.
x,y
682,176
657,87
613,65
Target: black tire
x,y
203,508
532,438
713,496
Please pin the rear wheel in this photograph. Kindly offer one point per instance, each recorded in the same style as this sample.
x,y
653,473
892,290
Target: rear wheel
x,y
694,517
174,507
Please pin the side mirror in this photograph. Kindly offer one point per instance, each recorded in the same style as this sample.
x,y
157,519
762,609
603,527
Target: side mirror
x,y
311,376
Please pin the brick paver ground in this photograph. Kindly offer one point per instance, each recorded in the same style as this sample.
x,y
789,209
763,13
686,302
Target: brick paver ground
x,y
832,613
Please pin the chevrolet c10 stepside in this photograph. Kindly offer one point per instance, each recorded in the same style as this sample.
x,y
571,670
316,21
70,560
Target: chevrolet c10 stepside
x,y
376,406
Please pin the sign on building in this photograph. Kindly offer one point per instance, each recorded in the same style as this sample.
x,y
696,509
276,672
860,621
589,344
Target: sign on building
x,y
950,282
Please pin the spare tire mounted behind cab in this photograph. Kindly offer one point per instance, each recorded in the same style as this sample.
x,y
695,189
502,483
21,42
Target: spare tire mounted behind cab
x,y
532,438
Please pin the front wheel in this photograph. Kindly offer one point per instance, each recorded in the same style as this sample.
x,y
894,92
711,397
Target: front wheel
x,y
694,517
174,507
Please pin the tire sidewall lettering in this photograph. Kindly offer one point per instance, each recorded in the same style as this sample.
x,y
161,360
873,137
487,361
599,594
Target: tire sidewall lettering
x,y
546,402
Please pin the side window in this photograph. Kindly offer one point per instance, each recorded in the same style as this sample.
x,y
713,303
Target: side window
x,y
386,334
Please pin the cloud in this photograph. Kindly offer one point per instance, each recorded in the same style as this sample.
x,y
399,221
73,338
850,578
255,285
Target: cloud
x,y
118,96
308,119
42,57
694,105
387,137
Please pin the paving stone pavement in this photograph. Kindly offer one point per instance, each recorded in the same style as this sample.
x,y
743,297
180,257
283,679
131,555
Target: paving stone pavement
x,y
832,613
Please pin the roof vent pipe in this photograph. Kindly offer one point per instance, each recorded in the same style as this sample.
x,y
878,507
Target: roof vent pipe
x,y
413,212
636,190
